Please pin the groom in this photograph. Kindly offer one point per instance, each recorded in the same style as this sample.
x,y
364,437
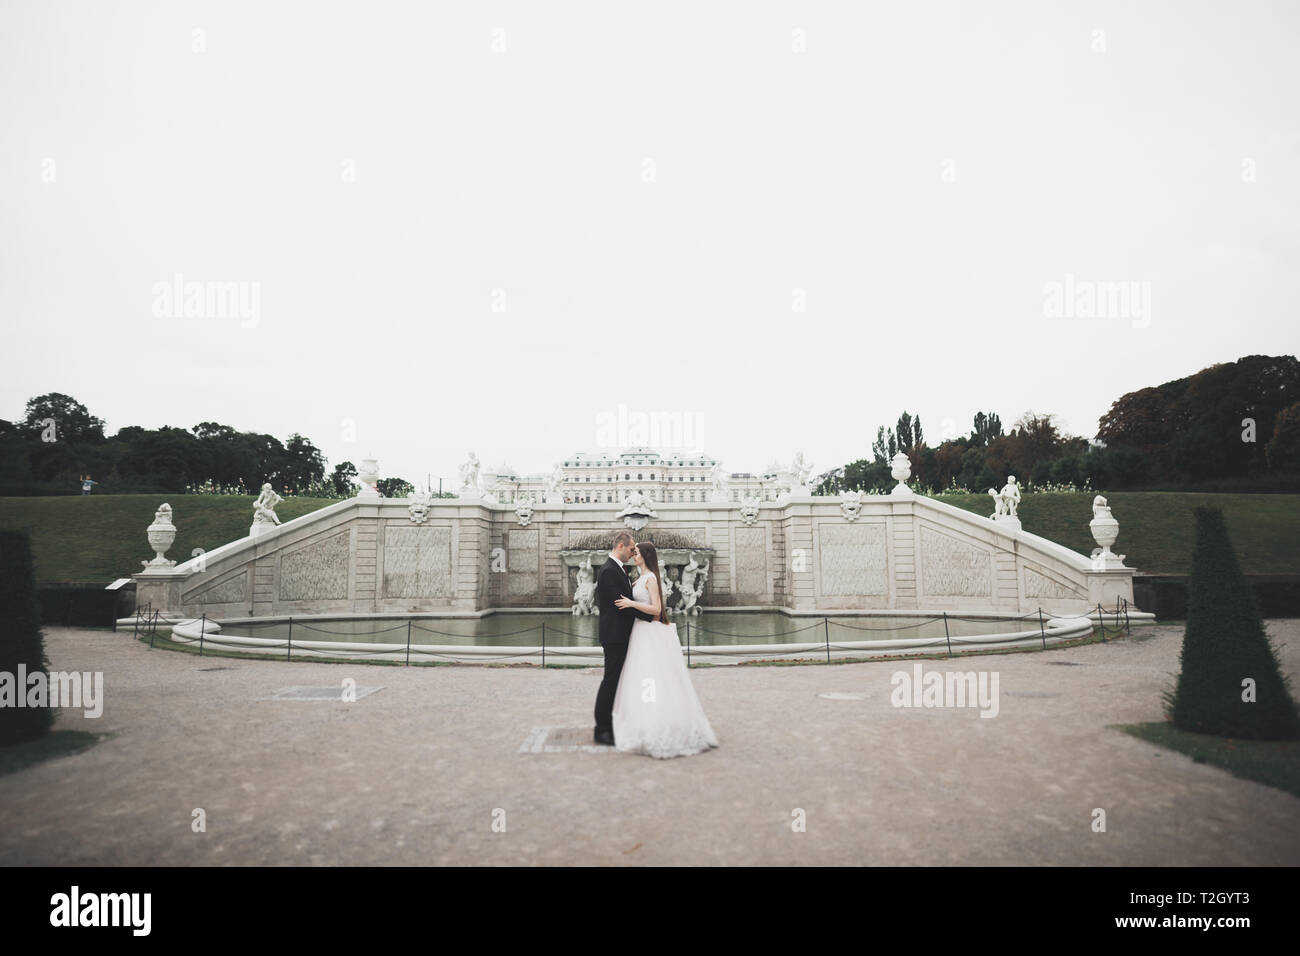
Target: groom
x,y
615,629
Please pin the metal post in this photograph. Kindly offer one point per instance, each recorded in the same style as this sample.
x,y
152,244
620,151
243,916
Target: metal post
x,y
826,625
1101,621
946,636
408,642
543,644
203,629
688,640
289,656
153,629
1041,629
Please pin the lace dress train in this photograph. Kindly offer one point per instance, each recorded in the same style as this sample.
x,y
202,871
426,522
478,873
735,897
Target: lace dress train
x,y
656,711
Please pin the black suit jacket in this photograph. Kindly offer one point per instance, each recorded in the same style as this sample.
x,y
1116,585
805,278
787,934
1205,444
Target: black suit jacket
x,y
615,623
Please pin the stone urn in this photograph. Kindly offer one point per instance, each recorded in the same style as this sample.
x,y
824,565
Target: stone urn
x,y
369,478
1105,529
162,534
901,470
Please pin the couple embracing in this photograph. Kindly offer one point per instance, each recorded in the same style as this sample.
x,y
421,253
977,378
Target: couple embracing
x,y
646,703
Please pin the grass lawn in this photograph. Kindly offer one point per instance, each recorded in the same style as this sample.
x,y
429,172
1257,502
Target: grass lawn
x,y
1272,762
57,743
1156,528
97,538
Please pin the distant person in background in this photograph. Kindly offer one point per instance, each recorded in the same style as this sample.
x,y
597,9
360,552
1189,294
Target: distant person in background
x,y
87,484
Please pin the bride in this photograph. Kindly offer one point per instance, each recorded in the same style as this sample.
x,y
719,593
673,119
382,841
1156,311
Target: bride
x,y
656,711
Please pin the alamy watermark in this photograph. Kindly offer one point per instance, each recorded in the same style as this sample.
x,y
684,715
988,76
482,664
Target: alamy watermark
x,y
661,430
53,689
1089,299
946,689
179,299
76,908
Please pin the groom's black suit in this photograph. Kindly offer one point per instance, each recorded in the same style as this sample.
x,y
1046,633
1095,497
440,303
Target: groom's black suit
x,y
615,630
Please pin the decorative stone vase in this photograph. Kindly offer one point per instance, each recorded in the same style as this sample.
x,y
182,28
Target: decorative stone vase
x,y
369,478
162,534
1105,529
901,470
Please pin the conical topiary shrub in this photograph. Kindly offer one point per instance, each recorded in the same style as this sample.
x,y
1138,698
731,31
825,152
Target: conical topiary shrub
x,y
1224,646
21,641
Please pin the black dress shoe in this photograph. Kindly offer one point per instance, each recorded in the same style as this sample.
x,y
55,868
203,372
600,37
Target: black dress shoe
x,y
606,738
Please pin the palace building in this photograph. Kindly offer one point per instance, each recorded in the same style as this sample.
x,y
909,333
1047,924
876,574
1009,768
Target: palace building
x,y
604,478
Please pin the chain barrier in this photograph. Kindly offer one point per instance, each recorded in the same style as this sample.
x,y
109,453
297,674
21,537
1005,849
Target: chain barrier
x,y
148,619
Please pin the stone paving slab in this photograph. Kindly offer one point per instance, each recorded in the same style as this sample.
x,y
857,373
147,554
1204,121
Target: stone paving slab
x,y
420,772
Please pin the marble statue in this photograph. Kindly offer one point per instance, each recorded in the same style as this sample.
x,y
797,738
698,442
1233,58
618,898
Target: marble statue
x,y
666,589
555,487
469,474
419,506
718,493
851,505
637,513
524,512
264,516
584,598
1010,496
694,576
799,471
749,510
999,508
701,578
161,534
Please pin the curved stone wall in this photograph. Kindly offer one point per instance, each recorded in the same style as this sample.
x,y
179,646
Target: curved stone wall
x,y
806,554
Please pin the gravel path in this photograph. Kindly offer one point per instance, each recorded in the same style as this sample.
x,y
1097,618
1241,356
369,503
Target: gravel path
x,y
417,772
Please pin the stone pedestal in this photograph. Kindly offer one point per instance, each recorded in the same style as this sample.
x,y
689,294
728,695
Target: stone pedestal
x,y
1008,522
1108,586
161,590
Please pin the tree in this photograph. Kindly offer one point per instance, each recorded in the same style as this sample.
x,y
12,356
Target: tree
x,y
987,428
975,472
909,433
885,445
394,487
304,464
1283,449
1139,419
164,460
947,463
21,641
1229,683
342,477
72,420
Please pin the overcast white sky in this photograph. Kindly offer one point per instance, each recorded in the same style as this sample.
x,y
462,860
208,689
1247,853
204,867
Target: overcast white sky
x,y
920,171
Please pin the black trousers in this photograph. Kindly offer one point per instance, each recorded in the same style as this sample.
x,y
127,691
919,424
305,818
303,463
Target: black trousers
x,y
615,655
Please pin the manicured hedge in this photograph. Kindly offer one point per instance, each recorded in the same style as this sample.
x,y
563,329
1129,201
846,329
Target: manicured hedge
x,y
1229,683
21,641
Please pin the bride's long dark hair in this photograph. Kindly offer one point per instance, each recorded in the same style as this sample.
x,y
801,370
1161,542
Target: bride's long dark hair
x,y
652,565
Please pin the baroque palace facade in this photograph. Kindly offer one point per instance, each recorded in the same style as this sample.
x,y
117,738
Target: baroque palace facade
x,y
604,478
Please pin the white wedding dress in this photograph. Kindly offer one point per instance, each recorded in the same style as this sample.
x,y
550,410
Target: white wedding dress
x,y
656,711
